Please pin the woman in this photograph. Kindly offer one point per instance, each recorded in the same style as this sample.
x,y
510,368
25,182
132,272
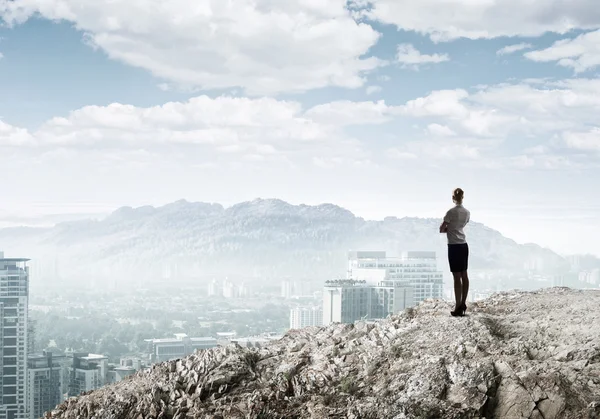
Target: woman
x,y
458,250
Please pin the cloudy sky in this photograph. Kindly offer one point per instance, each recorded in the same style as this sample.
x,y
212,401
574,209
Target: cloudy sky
x,y
380,106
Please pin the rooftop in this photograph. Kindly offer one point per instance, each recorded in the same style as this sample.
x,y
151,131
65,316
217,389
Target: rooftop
x,y
16,260
344,282
180,341
93,357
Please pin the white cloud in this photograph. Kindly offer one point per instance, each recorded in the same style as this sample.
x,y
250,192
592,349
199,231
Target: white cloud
x,y
583,141
14,137
581,53
497,110
432,151
440,130
410,57
459,113
522,161
484,19
335,162
536,150
373,89
445,103
263,46
511,49
342,113
548,121
229,129
398,154
234,124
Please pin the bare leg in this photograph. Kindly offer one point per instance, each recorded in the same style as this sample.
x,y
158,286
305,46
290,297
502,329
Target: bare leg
x,y
458,287
465,287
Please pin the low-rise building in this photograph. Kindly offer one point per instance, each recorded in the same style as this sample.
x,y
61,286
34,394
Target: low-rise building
x,y
126,367
161,350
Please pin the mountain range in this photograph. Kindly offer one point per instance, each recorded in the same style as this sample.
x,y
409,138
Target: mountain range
x,y
261,238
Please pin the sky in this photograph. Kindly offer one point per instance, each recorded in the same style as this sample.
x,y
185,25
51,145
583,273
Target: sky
x,y
382,107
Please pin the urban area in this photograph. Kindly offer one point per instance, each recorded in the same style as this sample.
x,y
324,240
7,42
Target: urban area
x,y
61,342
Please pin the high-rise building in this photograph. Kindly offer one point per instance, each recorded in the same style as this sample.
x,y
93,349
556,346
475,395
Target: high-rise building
x,y
45,381
215,289
88,372
349,300
413,269
14,295
591,277
230,290
31,324
306,316
243,290
287,288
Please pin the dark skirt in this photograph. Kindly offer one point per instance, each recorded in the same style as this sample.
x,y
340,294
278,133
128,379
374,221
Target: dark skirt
x,y
458,256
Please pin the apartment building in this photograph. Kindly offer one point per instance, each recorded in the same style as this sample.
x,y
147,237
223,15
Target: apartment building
x,y
45,381
301,317
88,372
14,300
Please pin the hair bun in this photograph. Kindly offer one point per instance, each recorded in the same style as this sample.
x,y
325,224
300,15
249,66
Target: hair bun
x,y
458,194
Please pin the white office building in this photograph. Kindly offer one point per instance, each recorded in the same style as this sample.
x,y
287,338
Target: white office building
x,y
349,300
417,270
301,317
14,296
161,350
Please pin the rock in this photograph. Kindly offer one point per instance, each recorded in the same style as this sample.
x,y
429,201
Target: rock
x,y
526,355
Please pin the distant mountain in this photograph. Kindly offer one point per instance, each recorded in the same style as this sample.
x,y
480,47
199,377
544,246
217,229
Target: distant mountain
x,y
264,238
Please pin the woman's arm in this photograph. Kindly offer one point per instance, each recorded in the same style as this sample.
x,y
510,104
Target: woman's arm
x,y
444,227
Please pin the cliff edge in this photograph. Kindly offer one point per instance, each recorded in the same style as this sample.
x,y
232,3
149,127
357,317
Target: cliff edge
x,y
516,355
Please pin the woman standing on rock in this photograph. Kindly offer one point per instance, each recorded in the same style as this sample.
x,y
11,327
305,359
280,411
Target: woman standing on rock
x,y
458,250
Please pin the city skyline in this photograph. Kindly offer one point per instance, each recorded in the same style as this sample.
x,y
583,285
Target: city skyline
x,y
381,107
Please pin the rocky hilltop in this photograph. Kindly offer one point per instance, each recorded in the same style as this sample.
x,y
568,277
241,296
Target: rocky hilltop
x,y
516,355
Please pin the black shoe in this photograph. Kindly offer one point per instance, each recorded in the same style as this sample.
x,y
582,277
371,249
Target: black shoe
x,y
458,313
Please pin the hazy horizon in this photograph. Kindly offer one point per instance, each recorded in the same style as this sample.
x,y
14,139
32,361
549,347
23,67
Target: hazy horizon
x,y
49,219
